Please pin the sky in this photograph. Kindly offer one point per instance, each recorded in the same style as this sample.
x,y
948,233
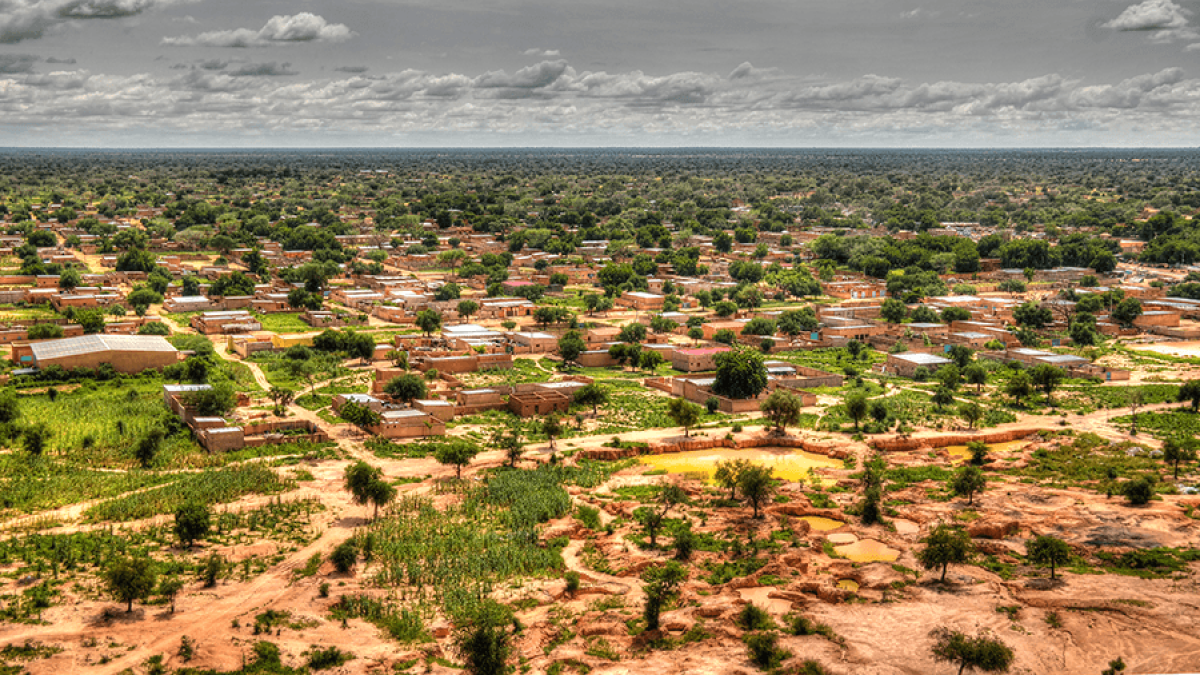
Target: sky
x,y
583,73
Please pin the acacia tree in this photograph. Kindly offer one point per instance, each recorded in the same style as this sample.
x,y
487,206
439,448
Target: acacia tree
x,y
729,473
458,453
1048,551
130,579
782,407
856,407
592,394
945,545
1047,378
968,481
756,485
1179,449
684,413
982,652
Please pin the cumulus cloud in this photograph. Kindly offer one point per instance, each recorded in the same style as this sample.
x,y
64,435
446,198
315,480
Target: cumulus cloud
x,y
22,20
222,97
17,63
270,69
279,30
1166,20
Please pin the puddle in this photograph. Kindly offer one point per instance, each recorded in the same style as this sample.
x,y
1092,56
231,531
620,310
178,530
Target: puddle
x,y
868,550
960,453
788,464
819,524
848,585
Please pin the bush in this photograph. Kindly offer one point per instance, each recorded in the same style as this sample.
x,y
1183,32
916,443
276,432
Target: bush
x,y
752,618
1138,491
572,579
344,556
765,651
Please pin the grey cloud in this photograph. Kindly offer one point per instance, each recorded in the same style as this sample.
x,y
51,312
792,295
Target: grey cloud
x,y
17,63
280,29
270,69
22,20
1133,92
1163,18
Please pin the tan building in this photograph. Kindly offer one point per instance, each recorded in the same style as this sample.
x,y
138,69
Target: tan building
x,y
125,353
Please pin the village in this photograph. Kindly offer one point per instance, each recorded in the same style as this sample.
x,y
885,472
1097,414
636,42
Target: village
x,y
764,436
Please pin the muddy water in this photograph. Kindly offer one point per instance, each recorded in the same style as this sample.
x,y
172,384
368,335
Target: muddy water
x,y
789,464
819,524
867,550
960,453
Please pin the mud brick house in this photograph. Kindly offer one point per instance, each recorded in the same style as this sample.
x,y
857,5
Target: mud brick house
x,y
125,353
696,360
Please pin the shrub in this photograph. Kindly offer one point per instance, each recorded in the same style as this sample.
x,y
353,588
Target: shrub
x,y
752,618
572,579
765,651
344,556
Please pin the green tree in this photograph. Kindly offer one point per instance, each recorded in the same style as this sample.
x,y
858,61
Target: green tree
x,y
148,446
782,407
684,413
593,394
652,517
968,481
729,473
1179,449
428,321
552,427
466,308
971,412
192,522
857,407
1047,551
458,453
406,388
35,437
484,638
1019,386
662,584
977,375
893,310
1047,378
945,545
980,653
1127,311
1190,391
757,485
130,579
741,373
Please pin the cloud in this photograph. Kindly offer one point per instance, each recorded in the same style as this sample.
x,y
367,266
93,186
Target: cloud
x,y
279,30
270,69
232,100
351,69
22,20
1165,19
17,63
